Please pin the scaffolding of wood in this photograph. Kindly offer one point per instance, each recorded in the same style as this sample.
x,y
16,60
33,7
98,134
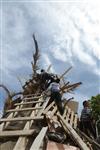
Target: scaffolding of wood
x,y
29,119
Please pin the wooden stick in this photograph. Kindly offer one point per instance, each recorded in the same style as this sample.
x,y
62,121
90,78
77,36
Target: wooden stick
x,y
73,134
89,139
65,72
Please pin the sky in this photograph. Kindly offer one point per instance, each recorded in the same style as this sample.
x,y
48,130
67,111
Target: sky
x,y
68,34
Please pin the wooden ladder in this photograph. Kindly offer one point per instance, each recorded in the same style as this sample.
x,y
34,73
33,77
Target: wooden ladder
x,y
35,105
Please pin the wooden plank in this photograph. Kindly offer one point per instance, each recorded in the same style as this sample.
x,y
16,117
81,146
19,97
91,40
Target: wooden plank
x,y
48,69
9,116
68,114
30,95
50,106
29,98
21,119
71,118
65,72
65,111
38,140
53,111
92,141
23,109
43,107
16,133
75,121
25,103
73,134
22,143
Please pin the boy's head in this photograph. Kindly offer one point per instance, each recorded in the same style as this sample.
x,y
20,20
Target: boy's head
x,y
86,104
58,80
42,70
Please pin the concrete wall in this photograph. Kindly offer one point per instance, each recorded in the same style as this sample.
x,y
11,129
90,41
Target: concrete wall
x,y
73,105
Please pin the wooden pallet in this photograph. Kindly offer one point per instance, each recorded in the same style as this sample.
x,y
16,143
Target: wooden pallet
x,y
68,115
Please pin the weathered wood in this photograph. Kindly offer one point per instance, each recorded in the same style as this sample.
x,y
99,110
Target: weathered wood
x,y
71,118
16,133
65,112
89,139
2,125
73,134
48,69
50,106
68,114
75,121
30,95
32,98
21,143
65,72
23,109
53,111
22,139
21,119
25,103
38,140
43,107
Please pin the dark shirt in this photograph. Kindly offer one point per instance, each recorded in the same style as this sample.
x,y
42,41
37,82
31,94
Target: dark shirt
x,y
85,114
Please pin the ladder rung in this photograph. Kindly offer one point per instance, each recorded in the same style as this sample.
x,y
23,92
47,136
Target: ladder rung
x,y
32,95
16,133
21,119
29,98
23,109
25,103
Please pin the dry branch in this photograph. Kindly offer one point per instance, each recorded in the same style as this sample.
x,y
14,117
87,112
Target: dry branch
x,y
36,56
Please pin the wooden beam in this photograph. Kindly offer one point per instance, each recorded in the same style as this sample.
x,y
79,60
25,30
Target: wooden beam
x,y
29,95
73,134
75,121
25,103
16,133
68,114
21,119
92,141
71,118
2,125
65,72
48,69
23,109
35,97
50,106
38,140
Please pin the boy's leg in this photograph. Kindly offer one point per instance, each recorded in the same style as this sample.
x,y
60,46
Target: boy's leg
x,y
59,103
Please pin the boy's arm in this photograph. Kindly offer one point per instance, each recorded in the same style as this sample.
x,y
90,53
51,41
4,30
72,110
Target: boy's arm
x,y
48,90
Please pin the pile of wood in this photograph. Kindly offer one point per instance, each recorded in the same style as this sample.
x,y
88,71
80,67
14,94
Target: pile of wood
x,y
33,122
30,124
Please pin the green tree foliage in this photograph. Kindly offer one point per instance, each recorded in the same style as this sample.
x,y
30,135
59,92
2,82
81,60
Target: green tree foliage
x,y
95,105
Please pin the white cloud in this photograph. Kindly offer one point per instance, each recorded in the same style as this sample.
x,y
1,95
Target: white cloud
x,y
69,33
47,62
59,54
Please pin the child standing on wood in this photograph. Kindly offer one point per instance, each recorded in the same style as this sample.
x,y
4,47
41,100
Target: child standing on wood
x,y
86,120
46,79
55,95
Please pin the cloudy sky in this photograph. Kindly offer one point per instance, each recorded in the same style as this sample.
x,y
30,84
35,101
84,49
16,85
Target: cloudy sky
x,y
68,34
